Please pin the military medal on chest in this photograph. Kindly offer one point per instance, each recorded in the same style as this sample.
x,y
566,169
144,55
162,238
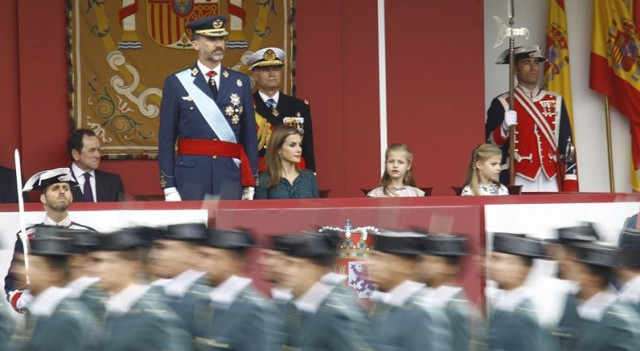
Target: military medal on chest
x,y
548,108
297,122
234,109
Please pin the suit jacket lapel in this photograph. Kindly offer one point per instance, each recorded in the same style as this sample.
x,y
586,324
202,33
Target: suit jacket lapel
x,y
200,81
225,84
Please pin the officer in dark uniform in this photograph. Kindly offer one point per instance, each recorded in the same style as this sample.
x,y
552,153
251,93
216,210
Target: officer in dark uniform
x,y
400,318
440,265
513,324
135,319
274,108
233,315
208,110
321,316
602,322
55,321
629,271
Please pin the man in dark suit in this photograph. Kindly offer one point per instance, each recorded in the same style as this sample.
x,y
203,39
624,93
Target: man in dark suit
x,y
8,186
93,185
207,108
274,108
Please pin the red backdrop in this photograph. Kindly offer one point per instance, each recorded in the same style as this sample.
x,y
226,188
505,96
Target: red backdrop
x,y
434,60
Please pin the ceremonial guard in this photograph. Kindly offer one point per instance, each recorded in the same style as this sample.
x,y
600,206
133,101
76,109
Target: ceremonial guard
x,y
543,155
321,316
439,267
513,324
274,108
135,319
233,315
56,197
171,259
629,270
400,318
55,321
602,322
207,109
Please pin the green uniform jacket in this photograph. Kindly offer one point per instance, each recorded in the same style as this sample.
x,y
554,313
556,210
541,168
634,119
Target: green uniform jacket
x,y
337,325
516,330
247,323
149,325
618,330
70,327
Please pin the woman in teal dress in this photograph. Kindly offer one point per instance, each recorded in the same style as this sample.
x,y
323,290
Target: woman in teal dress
x,y
282,178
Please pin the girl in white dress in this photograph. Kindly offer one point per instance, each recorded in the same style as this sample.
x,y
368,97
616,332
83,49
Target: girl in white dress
x,y
483,173
397,179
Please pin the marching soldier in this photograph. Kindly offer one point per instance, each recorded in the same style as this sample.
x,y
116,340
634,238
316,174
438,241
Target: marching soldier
x,y
542,126
207,109
274,108
513,324
135,319
629,270
321,316
270,262
233,315
439,268
400,318
171,259
55,321
602,322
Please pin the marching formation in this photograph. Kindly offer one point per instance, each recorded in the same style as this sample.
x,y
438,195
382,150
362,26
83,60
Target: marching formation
x,y
187,287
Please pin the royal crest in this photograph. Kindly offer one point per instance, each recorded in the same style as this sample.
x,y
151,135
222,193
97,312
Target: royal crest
x,y
269,55
557,53
353,251
166,20
623,45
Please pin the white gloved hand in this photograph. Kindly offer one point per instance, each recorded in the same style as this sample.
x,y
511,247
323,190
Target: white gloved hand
x,y
20,300
172,194
248,192
510,119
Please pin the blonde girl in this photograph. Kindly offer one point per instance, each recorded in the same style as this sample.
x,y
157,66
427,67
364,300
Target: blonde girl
x,y
397,179
484,170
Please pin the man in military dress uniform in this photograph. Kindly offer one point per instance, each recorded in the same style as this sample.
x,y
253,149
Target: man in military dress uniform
x,y
56,196
602,322
513,324
207,109
135,319
400,318
439,267
55,321
321,316
274,108
542,128
233,315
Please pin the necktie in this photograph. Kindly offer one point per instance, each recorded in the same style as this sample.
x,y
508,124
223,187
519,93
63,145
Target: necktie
x,y
212,83
86,191
271,103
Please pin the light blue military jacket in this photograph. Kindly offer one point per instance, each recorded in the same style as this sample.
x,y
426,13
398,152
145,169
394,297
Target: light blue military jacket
x,y
403,320
325,318
234,316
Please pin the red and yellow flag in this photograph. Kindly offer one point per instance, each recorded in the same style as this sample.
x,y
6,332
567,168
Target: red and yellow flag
x,y
557,75
615,67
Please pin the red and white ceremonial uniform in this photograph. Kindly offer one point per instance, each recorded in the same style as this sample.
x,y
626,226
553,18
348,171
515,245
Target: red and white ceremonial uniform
x,y
541,136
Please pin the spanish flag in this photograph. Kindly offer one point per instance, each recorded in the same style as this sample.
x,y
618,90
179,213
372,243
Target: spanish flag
x,y
615,67
557,75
